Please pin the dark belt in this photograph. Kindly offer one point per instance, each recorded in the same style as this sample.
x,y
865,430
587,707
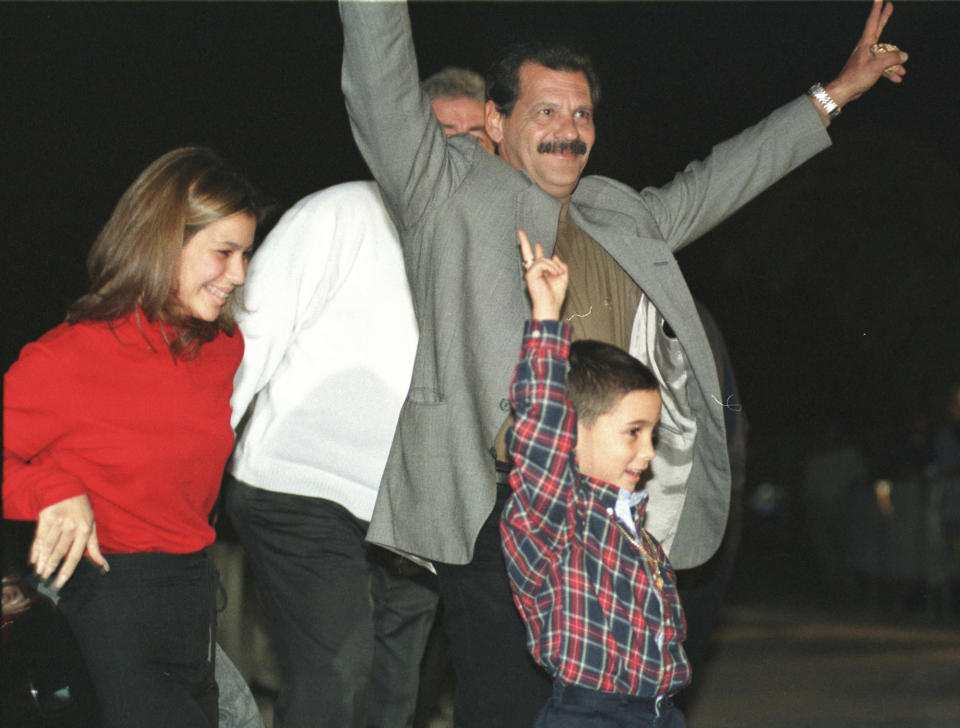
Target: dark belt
x,y
588,698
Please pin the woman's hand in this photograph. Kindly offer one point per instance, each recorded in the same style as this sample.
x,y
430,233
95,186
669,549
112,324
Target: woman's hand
x,y
64,531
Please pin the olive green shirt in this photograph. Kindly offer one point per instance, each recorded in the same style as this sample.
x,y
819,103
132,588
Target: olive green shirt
x,y
601,300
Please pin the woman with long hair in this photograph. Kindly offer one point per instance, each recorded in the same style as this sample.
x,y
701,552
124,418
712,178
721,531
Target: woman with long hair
x,y
117,429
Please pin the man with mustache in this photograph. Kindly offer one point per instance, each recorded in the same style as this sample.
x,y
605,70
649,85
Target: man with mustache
x,y
458,211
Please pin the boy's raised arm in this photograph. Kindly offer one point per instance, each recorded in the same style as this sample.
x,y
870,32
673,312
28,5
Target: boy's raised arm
x,y
534,524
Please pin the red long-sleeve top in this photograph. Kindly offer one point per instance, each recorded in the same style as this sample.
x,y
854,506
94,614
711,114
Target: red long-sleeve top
x,y
104,409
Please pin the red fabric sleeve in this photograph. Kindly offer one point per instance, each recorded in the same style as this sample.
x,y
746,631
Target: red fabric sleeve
x,y
37,412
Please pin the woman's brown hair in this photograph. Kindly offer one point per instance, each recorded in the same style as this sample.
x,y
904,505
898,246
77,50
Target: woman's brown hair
x,y
135,259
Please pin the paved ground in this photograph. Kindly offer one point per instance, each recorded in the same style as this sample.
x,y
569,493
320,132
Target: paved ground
x,y
782,668
786,656
776,666
790,653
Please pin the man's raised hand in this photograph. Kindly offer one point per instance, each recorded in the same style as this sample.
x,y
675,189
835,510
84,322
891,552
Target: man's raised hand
x,y
865,66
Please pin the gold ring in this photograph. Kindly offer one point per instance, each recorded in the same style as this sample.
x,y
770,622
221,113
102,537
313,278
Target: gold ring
x,y
879,49
527,263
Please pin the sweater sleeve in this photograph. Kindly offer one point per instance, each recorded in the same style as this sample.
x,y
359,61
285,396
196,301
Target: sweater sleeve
x,y
37,413
537,518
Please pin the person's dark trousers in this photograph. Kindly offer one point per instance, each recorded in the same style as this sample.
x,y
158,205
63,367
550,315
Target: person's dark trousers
x,y
702,591
348,625
498,683
146,631
575,707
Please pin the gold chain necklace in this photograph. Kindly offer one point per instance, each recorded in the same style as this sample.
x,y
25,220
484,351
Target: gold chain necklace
x,y
647,549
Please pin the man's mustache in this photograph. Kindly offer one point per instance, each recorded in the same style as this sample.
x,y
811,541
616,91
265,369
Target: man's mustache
x,y
575,146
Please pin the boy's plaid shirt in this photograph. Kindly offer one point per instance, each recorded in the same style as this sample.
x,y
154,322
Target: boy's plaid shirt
x,y
594,617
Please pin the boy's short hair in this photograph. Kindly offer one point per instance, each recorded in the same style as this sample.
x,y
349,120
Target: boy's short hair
x,y
600,374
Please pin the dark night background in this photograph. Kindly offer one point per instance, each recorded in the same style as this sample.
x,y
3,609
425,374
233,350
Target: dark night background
x,y
836,289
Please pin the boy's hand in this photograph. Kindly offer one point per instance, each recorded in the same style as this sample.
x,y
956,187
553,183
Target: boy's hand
x,y
546,279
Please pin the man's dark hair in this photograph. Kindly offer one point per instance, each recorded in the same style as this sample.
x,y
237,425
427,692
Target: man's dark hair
x,y
503,77
600,374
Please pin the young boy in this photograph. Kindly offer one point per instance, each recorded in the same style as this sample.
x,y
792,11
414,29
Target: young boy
x,y
594,588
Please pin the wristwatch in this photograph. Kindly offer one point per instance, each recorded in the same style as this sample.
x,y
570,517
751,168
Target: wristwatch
x,y
821,96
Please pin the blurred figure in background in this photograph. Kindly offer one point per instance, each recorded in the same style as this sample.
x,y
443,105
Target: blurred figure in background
x,y
331,337
832,475
946,439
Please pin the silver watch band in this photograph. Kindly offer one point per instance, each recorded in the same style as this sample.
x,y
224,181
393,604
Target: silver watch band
x,y
823,98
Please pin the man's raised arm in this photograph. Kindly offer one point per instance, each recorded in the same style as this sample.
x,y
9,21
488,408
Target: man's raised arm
x,y
772,148
392,121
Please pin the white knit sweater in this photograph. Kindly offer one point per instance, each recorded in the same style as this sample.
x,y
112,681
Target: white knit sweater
x,y
330,340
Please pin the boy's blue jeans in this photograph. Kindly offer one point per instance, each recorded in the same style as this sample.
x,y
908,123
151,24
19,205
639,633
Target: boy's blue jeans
x,y
574,707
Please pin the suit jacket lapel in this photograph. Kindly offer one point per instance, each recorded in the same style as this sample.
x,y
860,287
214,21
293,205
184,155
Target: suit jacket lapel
x,y
537,215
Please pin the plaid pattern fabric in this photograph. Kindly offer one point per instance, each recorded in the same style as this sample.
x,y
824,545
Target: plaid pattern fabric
x,y
586,588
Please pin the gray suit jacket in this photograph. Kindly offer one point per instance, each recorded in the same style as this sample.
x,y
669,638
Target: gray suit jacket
x,y
457,210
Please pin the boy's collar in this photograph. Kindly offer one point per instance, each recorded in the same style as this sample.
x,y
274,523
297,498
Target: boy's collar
x,y
610,494
634,498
